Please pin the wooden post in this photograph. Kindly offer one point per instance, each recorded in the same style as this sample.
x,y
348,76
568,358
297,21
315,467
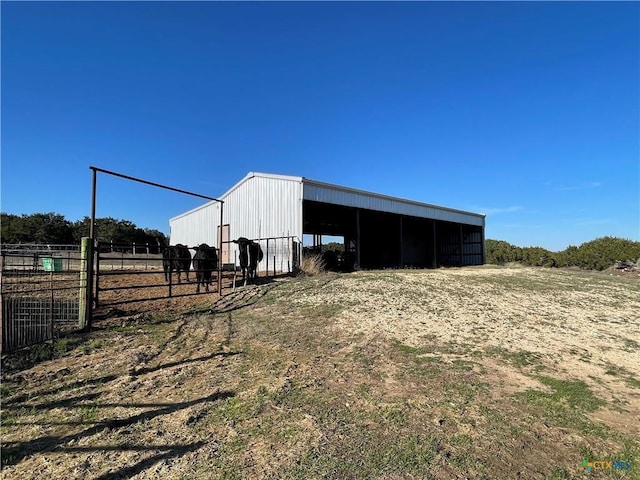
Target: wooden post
x,y
85,310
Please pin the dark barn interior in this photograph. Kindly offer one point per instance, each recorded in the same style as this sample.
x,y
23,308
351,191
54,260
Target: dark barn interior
x,y
375,239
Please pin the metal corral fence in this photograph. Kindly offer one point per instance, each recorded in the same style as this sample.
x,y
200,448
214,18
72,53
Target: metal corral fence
x,y
281,256
123,277
43,288
41,292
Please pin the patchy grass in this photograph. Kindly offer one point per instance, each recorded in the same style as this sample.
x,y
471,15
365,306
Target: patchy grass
x,y
567,405
518,358
290,387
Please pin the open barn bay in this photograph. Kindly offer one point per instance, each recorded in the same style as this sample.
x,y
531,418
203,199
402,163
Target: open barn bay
x,y
478,372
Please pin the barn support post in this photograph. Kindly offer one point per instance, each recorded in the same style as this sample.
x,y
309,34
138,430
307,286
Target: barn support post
x,y
461,247
401,240
435,246
357,265
484,249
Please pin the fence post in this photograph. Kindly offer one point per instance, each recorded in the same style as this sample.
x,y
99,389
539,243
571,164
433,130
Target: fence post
x,y
266,272
86,276
96,287
235,269
2,312
51,305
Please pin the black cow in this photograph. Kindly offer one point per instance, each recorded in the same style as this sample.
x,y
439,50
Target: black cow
x,y
176,258
250,256
205,261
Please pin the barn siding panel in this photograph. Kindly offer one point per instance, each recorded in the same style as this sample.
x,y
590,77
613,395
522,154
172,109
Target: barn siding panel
x,y
259,206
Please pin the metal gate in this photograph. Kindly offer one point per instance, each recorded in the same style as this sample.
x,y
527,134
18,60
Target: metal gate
x,y
42,293
126,274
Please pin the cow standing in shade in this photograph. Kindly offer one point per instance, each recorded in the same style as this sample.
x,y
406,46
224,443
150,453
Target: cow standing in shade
x,y
205,261
250,256
176,258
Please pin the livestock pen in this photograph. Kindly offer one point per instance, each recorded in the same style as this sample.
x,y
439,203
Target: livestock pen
x,y
126,278
41,291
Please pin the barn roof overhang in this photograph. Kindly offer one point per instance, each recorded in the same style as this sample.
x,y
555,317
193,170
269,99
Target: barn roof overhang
x,y
351,197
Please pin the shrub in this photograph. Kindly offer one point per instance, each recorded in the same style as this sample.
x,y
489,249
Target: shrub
x,y
312,264
597,254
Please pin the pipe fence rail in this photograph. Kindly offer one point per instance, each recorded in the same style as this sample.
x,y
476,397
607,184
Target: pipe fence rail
x,y
125,278
48,290
41,294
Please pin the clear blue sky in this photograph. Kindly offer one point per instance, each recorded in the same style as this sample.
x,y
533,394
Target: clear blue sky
x,y
528,112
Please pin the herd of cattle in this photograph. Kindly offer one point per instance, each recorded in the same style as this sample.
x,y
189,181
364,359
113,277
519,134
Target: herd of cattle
x,y
177,258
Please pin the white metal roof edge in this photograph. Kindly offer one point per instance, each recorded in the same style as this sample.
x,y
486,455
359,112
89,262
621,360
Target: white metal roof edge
x,y
247,177
251,175
387,197
193,210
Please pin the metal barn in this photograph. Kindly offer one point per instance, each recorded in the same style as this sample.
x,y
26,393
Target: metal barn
x,y
379,231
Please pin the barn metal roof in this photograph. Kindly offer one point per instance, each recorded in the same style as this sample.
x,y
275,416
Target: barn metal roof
x,y
339,195
329,193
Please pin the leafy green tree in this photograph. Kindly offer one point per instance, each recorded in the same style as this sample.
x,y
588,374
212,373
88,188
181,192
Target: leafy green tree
x,y
597,254
333,246
53,228
42,228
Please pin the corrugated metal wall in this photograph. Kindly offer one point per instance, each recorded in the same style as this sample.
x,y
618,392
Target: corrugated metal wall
x,y
265,207
260,206
196,227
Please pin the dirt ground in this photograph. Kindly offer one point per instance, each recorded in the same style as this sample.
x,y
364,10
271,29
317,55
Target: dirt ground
x,y
582,331
448,373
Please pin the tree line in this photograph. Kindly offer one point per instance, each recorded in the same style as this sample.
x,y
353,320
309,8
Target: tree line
x,y
53,228
597,254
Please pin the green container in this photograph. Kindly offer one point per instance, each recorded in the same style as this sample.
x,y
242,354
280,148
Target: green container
x,y
52,264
